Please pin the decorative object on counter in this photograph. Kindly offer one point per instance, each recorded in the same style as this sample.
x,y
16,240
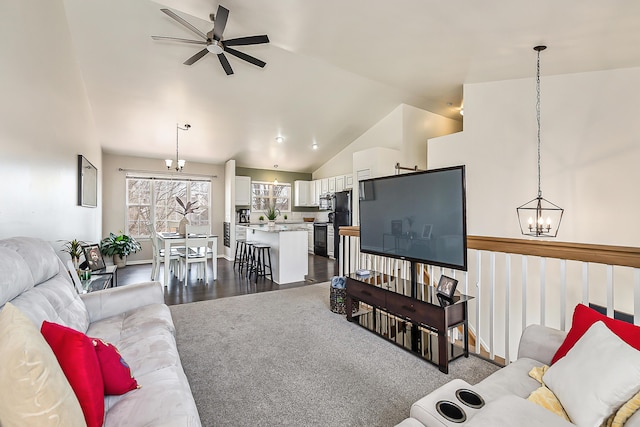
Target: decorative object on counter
x,y
446,286
307,219
261,218
285,217
272,213
539,217
187,208
74,249
119,246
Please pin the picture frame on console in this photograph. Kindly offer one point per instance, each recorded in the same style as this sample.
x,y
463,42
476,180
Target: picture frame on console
x,y
93,257
446,286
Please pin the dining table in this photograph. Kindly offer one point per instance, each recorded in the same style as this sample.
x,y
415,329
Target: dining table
x,y
170,239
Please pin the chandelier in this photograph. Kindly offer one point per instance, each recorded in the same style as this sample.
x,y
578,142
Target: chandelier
x,y
539,217
179,162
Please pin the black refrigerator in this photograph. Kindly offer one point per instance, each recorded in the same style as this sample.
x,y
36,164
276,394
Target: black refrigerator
x,y
341,216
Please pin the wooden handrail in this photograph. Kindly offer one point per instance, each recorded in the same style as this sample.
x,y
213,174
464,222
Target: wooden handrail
x,y
602,254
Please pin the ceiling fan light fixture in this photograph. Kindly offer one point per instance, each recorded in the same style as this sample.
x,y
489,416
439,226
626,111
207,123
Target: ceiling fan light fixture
x,y
215,47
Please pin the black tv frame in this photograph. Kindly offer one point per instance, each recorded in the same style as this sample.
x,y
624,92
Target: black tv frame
x,y
464,265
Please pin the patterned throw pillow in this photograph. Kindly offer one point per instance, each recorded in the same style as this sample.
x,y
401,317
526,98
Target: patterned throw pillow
x,y
33,388
116,374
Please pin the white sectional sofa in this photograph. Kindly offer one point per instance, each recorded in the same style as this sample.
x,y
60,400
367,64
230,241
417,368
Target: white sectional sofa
x,y
503,396
134,318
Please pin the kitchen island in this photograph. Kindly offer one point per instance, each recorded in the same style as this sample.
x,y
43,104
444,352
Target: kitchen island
x,y
289,255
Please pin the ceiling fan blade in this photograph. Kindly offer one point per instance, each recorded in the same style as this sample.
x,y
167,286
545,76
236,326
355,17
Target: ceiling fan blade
x,y
185,23
225,64
195,57
248,58
173,39
244,41
221,22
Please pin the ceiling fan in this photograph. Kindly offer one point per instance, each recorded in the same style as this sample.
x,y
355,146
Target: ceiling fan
x,y
214,42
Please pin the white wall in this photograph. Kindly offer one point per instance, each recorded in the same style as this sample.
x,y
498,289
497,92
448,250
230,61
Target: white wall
x,y
590,154
115,195
45,122
406,129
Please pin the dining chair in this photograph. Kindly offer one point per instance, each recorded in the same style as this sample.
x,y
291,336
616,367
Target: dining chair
x,y
158,254
196,250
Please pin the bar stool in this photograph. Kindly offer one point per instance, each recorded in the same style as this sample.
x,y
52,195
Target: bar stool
x,y
237,258
262,261
247,258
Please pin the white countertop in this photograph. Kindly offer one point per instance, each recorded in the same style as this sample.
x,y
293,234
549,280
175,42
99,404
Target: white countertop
x,y
278,228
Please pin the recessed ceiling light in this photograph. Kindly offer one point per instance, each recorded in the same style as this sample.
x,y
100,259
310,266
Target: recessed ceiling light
x,y
314,146
279,139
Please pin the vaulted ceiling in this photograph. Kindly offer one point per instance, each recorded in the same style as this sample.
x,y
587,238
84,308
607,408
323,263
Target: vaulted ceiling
x,y
334,67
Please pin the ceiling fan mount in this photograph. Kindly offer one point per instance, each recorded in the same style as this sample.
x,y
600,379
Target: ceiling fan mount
x,y
213,41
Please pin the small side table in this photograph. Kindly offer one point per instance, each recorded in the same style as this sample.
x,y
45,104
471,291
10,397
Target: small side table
x,y
109,270
96,283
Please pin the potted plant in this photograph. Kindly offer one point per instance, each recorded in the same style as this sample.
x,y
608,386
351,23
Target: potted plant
x,y
187,208
272,213
261,218
119,246
74,249
285,217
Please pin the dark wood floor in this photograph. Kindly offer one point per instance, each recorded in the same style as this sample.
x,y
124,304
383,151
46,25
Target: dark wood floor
x,y
229,283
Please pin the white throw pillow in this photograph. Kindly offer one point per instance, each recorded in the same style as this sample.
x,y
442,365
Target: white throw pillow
x,y
33,388
599,374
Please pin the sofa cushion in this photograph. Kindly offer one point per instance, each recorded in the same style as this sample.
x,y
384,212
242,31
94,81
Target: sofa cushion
x,y
512,379
584,317
599,374
116,374
164,398
39,257
134,323
33,388
77,357
514,411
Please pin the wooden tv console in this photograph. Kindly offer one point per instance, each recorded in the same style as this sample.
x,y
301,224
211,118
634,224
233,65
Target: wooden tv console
x,y
430,312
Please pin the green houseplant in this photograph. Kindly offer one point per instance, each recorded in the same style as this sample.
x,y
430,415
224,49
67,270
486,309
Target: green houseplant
x,y
272,213
74,249
119,246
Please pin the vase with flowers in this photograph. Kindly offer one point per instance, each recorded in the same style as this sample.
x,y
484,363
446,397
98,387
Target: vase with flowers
x,y
187,208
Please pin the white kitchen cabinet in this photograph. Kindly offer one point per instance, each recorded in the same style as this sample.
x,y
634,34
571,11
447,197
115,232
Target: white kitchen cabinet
x,y
312,194
339,183
302,193
330,240
324,186
243,191
332,184
310,240
318,185
348,181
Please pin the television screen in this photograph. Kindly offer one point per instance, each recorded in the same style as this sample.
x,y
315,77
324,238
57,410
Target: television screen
x,y
418,217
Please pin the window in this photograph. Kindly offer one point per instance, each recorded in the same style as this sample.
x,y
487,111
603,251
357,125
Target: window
x,y
265,194
155,199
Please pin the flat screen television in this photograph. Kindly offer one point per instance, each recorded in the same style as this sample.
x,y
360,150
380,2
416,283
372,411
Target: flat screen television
x,y
417,217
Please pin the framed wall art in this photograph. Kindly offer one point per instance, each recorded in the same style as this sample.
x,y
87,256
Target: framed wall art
x,y
87,183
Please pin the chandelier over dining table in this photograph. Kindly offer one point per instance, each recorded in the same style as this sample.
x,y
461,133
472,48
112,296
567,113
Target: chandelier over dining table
x,y
179,162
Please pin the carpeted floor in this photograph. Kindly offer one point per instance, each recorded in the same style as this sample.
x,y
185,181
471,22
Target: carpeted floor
x,y
283,358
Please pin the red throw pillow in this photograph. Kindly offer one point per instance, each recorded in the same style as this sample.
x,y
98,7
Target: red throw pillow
x,y
116,374
79,362
584,317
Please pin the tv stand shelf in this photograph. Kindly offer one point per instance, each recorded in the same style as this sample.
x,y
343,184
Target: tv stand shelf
x,y
418,323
